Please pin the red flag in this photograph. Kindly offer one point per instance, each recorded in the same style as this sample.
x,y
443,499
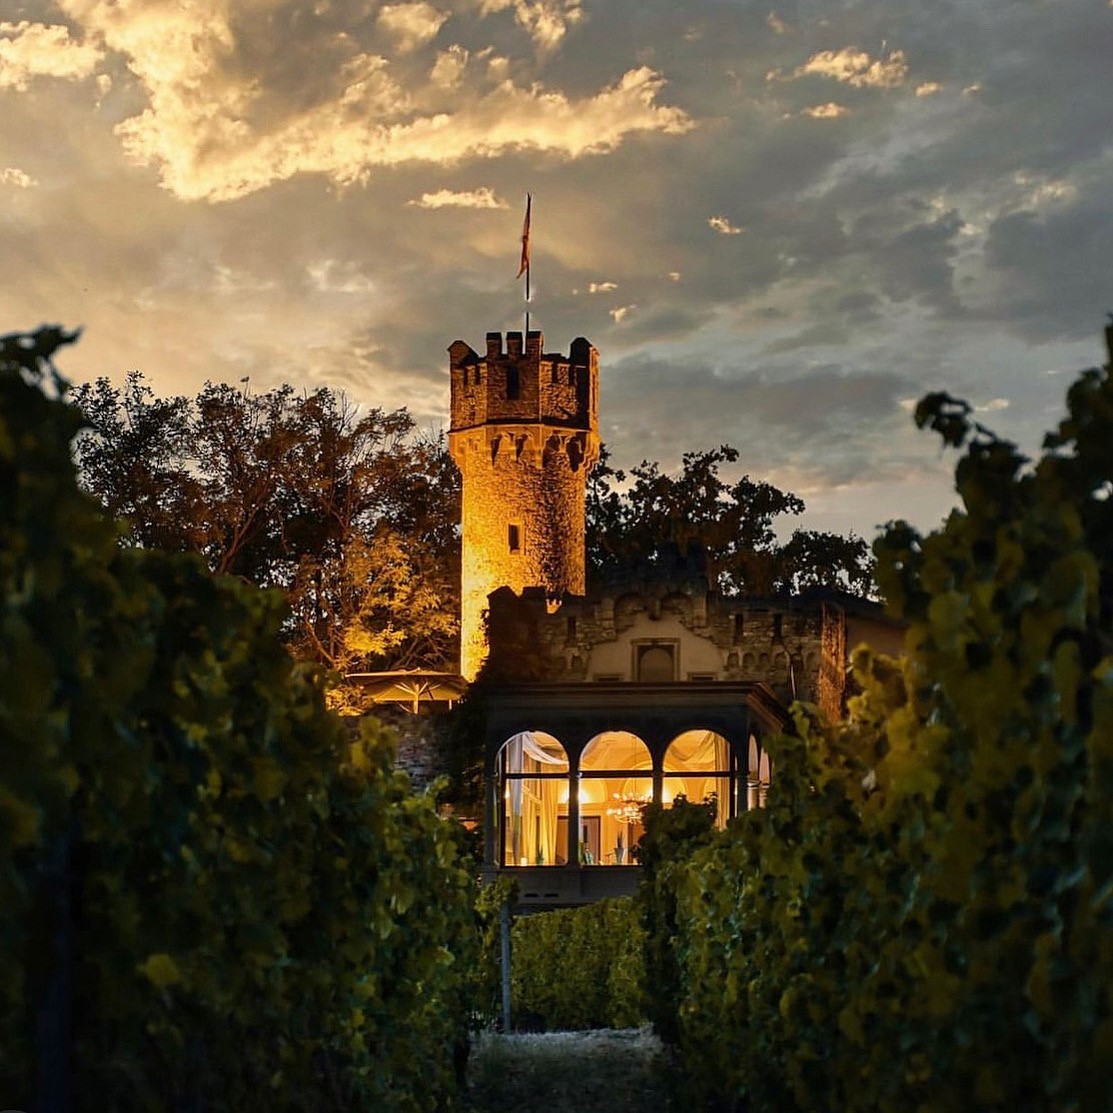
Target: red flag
x,y
524,267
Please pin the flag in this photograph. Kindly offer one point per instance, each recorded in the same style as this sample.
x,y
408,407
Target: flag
x,y
524,267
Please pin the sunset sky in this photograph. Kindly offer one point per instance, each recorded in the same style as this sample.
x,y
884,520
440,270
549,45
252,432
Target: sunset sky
x,y
780,224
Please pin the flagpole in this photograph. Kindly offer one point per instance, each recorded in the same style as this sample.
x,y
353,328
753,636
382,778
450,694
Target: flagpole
x,y
525,263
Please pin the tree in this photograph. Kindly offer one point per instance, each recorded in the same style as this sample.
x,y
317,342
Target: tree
x,y
630,516
352,514
136,458
375,600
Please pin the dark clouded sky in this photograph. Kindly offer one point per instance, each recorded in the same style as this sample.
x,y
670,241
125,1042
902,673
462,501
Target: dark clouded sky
x,y
780,223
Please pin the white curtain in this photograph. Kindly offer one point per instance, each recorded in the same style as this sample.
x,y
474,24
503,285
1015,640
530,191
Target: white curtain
x,y
705,751
533,803
525,744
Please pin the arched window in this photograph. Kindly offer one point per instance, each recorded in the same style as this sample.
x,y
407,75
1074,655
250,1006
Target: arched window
x,y
533,771
699,766
616,782
513,384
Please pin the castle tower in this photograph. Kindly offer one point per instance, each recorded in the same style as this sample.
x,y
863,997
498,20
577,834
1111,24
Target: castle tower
x,y
524,435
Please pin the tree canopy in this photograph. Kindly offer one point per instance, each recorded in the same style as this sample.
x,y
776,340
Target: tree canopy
x,y
354,515
630,515
350,512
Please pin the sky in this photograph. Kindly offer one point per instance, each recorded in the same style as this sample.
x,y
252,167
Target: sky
x,y
780,223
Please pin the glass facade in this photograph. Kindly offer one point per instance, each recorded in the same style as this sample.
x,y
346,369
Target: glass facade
x,y
615,781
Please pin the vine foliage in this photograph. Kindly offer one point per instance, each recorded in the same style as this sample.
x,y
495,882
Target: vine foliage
x,y
580,967
212,896
922,918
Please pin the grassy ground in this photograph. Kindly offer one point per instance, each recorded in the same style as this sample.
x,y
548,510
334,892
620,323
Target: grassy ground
x,y
568,1072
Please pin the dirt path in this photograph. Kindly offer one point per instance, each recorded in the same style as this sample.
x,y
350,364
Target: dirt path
x,y
568,1072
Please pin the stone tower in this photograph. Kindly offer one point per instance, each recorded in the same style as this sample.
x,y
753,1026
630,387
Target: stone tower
x,y
524,435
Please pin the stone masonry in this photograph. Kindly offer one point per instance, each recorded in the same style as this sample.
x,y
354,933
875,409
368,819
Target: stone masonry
x,y
796,646
524,436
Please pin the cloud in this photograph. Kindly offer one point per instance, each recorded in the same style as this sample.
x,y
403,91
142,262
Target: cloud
x,y
448,70
835,438
546,21
482,198
915,258
332,276
776,24
217,131
674,276
724,226
828,111
1040,193
30,50
928,88
1050,267
13,176
855,67
601,287
411,25
992,406
620,313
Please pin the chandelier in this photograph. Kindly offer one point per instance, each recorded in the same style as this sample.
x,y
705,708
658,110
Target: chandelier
x,y
628,808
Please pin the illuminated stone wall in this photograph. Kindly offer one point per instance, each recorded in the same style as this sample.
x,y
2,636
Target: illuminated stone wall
x,y
796,646
420,741
600,637
523,436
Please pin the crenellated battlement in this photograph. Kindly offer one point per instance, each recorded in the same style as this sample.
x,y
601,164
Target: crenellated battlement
x,y
516,381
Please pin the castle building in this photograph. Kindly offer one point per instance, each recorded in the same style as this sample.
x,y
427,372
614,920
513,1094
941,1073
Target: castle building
x,y
524,435
639,691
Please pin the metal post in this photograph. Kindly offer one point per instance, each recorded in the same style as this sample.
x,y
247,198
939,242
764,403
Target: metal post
x,y
573,848
54,996
504,948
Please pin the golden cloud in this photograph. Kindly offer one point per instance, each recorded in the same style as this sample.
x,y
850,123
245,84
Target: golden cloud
x,y
212,136
331,277
724,226
601,287
13,176
448,69
411,25
482,198
828,111
546,21
30,50
857,68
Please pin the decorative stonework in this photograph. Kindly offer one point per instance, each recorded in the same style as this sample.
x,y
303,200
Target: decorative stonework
x,y
794,646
